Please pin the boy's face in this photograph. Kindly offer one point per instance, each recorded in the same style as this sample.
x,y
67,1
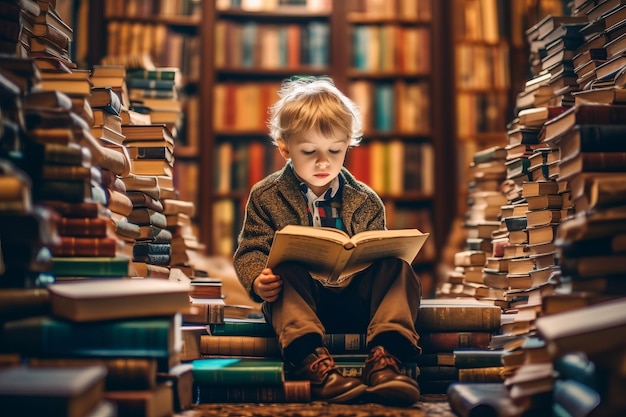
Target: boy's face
x,y
317,158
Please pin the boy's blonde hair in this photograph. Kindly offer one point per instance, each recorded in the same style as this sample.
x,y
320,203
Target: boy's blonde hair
x,y
313,103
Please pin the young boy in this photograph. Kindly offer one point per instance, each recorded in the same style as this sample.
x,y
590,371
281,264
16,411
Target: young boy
x,y
313,125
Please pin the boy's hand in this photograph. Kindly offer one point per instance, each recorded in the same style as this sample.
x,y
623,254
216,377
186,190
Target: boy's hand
x,y
267,285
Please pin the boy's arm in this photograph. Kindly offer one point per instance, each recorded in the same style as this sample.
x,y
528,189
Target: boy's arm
x,y
254,243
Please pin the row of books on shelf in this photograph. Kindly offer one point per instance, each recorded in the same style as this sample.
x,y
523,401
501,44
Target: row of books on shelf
x,y
376,48
261,5
133,43
244,106
391,167
250,44
482,67
150,8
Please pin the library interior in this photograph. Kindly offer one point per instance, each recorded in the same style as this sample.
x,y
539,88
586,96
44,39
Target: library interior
x,y
133,132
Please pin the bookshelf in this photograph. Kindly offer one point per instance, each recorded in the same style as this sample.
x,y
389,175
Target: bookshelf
x,y
243,54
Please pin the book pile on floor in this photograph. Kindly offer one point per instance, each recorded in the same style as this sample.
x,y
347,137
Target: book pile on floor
x,y
239,360
570,358
81,222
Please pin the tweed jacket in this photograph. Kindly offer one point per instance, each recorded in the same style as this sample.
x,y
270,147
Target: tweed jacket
x,y
277,201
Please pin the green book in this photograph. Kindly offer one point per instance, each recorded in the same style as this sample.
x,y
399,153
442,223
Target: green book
x,y
477,358
238,371
154,74
47,336
94,266
242,327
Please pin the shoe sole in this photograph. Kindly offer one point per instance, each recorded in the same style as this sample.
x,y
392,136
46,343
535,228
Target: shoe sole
x,y
348,396
395,393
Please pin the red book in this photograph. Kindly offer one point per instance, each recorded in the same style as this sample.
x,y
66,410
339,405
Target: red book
x,y
593,162
85,246
84,209
83,226
432,342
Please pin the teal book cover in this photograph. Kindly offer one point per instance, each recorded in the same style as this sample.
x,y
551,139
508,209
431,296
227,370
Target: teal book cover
x,y
48,336
238,371
242,327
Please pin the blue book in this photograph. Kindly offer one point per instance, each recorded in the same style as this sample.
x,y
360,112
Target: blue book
x,y
384,108
319,34
249,34
360,35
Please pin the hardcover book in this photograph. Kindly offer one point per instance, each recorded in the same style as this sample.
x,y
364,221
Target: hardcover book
x,y
92,300
482,400
132,338
238,371
342,256
71,392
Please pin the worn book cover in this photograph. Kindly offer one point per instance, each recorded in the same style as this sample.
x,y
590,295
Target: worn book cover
x,y
482,400
333,256
92,300
71,392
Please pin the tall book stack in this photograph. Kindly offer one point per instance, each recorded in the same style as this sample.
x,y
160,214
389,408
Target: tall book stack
x,y
138,342
26,229
447,327
240,361
482,225
587,348
148,146
44,36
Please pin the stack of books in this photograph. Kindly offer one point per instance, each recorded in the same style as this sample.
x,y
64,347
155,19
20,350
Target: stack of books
x,y
446,328
574,198
138,342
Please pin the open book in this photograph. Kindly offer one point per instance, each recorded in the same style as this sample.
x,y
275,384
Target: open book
x,y
332,255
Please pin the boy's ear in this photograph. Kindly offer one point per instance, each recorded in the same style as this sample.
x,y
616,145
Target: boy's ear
x,y
283,149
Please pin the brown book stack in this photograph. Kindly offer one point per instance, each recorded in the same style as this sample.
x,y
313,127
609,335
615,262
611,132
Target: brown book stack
x,y
70,179
45,37
482,220
186,249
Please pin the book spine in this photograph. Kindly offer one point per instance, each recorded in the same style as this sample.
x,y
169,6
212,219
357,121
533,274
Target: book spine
x,y
145,84
603,161
289,392
132,338
239,346
86,227
204,314
158,74
122,373
90,266
355,369
345,343
153,259
464,359
486,374
450,341
242,329
144,248
218,372
85,246
455,318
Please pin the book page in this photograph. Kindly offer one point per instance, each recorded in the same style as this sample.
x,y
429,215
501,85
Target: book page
x,y
318,254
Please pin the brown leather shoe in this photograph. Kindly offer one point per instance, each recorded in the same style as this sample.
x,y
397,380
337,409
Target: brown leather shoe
x,y
327,382
385,381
